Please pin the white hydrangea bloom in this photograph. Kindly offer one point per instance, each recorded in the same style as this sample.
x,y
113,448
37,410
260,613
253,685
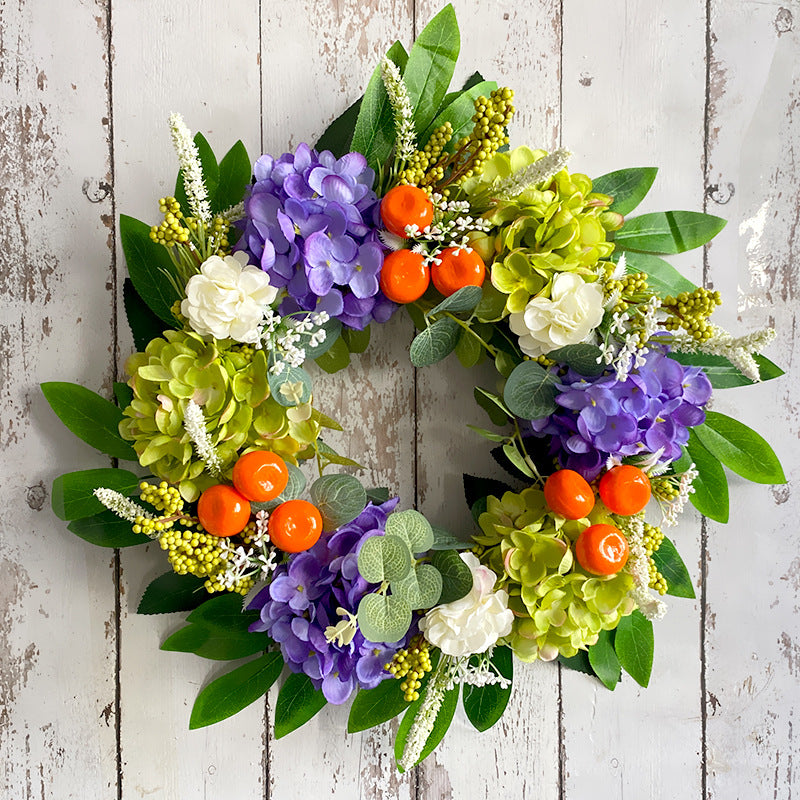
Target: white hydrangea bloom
x,y
227,299
573,310
475,622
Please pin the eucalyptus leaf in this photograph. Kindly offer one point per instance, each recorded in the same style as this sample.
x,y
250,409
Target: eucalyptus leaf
x,y
333,330
73,493
106,529
384,558
492,305
604,660
485,705
356,341
530,391
334,358
490,435
456,575
435,343
492,405
383,618
295,487
628,187
298,701
710,496
668,232
465,299
420,588
585,359
669,563
291,386
444,540
339,498
468,350
412,527
634,644
517,460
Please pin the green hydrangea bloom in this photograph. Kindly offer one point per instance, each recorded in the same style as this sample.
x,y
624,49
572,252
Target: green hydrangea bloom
x,y
558,608
229,382
556,226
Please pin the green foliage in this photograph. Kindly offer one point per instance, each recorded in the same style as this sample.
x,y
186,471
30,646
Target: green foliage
x,y
340,499
378,495
710,496
662,277
73,493
333,330
235,173
603,660
90,417
468,350
444,540
383,618
106,529
435,343
237,689
338,136
634,644
291,386
583,358
485,705
669,563
123,394
578,663
668,232
384,558
294,489
628,187
298,701
412,527
171,592
356,341
440,727
530,391
372,707
459,112
465,299
420,588
456,575
493,405
722,374
334,358
144,324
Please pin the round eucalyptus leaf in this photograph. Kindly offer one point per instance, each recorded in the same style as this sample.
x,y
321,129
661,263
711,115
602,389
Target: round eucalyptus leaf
x,y
413,528
382,618
435,343
291,386
384,558
421,588
339,498
585,359
530,391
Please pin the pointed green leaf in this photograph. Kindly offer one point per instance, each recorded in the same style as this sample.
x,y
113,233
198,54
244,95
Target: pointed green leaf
x,y
530,391
171,592
586,359
634,643
106,529
668,232
356,341
123,394
604,660
444,540
628,187
434,343
298,701
372,707
216,644
722,373
465,299
662,277
378,495
338,136
579,662
492,405
669,563
144,324
468,350
339,498
235,172
223,612
485,705
710,496
73,493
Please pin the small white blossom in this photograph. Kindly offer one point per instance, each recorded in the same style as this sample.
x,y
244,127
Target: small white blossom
x,y
637,566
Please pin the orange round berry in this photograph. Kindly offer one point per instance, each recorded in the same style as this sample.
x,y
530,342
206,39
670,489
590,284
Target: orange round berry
x,y
222,511
260,475
295,526
406,205
404,276
625,489
457,268
568,494
602,550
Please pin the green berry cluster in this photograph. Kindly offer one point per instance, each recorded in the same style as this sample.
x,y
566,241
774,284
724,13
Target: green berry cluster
x,y
190,550
653,536
411,664
690,311
423,168
164,498
631,289
171,231
491,118
664,488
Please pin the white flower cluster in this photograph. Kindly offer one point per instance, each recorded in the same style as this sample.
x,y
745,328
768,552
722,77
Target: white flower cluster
x,y
258,561
542,170
191,168
630,354
284,334
484,673
195,425
402,109
638,567
672,510
123,507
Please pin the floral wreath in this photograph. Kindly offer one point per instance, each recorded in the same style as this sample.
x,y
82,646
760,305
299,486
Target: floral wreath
x,y
605,353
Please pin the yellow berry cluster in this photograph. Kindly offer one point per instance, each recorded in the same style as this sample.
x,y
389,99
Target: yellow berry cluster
x,y
242,586
690,311
189,550
219,233
411,665
653,536
491,118
423,168
163,498
171,231
630,289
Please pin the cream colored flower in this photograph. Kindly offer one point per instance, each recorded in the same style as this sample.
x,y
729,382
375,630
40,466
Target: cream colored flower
x,y
226,300
572,311
475,622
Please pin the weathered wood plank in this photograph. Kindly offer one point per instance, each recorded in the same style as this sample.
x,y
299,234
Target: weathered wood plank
x,y
752,630
56,593
519,47
633,95
193,59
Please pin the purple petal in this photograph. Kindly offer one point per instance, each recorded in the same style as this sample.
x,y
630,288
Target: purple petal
x,y
336,190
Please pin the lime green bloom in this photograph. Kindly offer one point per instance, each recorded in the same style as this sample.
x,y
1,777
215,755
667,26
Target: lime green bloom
x,y
229,383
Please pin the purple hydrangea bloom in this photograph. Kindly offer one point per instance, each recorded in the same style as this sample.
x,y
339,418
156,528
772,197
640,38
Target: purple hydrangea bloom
x,y
302,599
650,410
311,224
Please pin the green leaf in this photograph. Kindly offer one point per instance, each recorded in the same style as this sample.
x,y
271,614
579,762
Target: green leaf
x,y
585,359
356,341
373,707
123,394
476,488
492,304
216,644
579,662
339,498
710,496
335,358
668,232
669,563
434,343
384,558
224,612
291,386
329,456
338,136
298,701
456,575
740,449
412,527
382,618
634,643
149,265
378,495
490,435
485,705
374,133
604,660
722,373
628,187
73,493
444,540
106,529
171,592
208,162
420,588
430,67
144,324
662,277
459,112
465,299
90,417
333,331
517,459
530,391
235,690
468,349
492,405
443,719
235,172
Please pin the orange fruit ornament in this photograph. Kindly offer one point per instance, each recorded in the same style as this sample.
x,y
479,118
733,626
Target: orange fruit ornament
x,y
457,268
602,550
222,511
404,276
260,476
625,489
406,205
295,526
568,494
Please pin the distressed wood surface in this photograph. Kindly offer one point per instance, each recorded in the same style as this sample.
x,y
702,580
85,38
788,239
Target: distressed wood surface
x,y
89,707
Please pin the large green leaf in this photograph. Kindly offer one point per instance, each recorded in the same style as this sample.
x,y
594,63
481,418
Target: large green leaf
x,y
710,496
465,299
171,592
90,417
106,529
585,359
144,324
235,173
338,136
456,575
339,498
430,67
374,132
224,612
73,493
235,690
485,705
215,643
668,232
434,343
372,707
604,660
298,701
634,644
459,112
530,391
628,187
662,277
740,449
669,563
722,374
440,726
149,265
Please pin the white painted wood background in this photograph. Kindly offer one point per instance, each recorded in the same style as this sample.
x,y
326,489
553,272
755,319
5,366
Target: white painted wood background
x,y
89,707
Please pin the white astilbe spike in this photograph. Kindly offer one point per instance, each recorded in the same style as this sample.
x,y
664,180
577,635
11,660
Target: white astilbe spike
x,y
191,168
542,170
402,109
120,505
195,425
